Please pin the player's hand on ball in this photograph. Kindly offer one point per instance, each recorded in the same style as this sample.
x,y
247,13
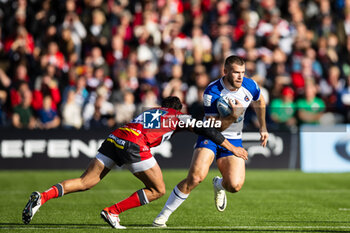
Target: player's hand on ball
x,y
240,152
237,108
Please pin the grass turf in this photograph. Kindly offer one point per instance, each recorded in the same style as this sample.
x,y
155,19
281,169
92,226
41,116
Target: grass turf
x,y
270,201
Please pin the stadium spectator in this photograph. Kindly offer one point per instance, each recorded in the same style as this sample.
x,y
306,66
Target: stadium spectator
x,y
23,116
129,80
22,42
100,79
47,116
19,83
147,80
54,56
47,35
124,111
119,51
200,83
125,28
148,100
21,76
175,84
47,86
44,17
71,112
261,83
96,60
330,87
16,93
81,93
343,27
310,109
283,109
66,43
202,46
99,112
222,47
98,31
77,30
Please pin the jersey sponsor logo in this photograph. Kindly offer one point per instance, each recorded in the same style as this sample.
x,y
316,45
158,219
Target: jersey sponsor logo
x,y
120,143
207,100
152,118
144,148
246,98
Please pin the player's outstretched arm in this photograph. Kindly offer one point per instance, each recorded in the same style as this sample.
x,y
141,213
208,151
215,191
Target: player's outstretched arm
x,y
259,107
237,151
214,135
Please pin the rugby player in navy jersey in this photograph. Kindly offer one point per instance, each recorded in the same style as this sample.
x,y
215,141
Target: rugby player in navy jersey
x,y
130,146
243,91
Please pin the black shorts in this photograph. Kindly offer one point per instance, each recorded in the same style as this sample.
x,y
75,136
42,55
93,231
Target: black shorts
x,y
121,151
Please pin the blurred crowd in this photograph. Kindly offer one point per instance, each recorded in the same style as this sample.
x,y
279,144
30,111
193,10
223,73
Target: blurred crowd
x,y
93,63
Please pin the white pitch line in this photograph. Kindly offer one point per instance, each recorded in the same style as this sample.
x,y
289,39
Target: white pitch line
x,y
344,209
186,228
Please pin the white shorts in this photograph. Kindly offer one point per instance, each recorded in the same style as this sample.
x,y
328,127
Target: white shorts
x,y
133,167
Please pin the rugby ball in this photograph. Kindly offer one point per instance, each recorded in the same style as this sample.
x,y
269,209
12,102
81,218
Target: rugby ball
x,y
223,106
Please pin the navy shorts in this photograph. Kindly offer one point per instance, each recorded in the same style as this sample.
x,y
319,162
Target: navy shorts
x,y
219,151
122,151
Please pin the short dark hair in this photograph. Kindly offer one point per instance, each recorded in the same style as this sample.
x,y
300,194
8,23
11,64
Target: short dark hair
x,y
234,60
172,102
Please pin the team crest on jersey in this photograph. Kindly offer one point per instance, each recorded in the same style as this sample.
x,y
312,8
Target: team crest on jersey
x,y
246,98
152,118
206,142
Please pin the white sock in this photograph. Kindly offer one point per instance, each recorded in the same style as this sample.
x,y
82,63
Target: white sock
x,y
218,184
174,201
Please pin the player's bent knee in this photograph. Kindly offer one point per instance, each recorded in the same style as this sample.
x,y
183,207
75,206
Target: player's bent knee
x,y
158,192
161,191
195,180
234,187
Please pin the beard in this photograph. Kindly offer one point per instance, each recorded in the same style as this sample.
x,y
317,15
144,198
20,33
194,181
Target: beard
x,y
232,83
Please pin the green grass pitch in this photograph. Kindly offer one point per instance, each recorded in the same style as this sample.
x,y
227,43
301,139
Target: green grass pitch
x,y
270,201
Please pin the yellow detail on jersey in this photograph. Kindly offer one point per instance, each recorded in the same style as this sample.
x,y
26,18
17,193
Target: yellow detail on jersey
x,y
130,130
117,145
